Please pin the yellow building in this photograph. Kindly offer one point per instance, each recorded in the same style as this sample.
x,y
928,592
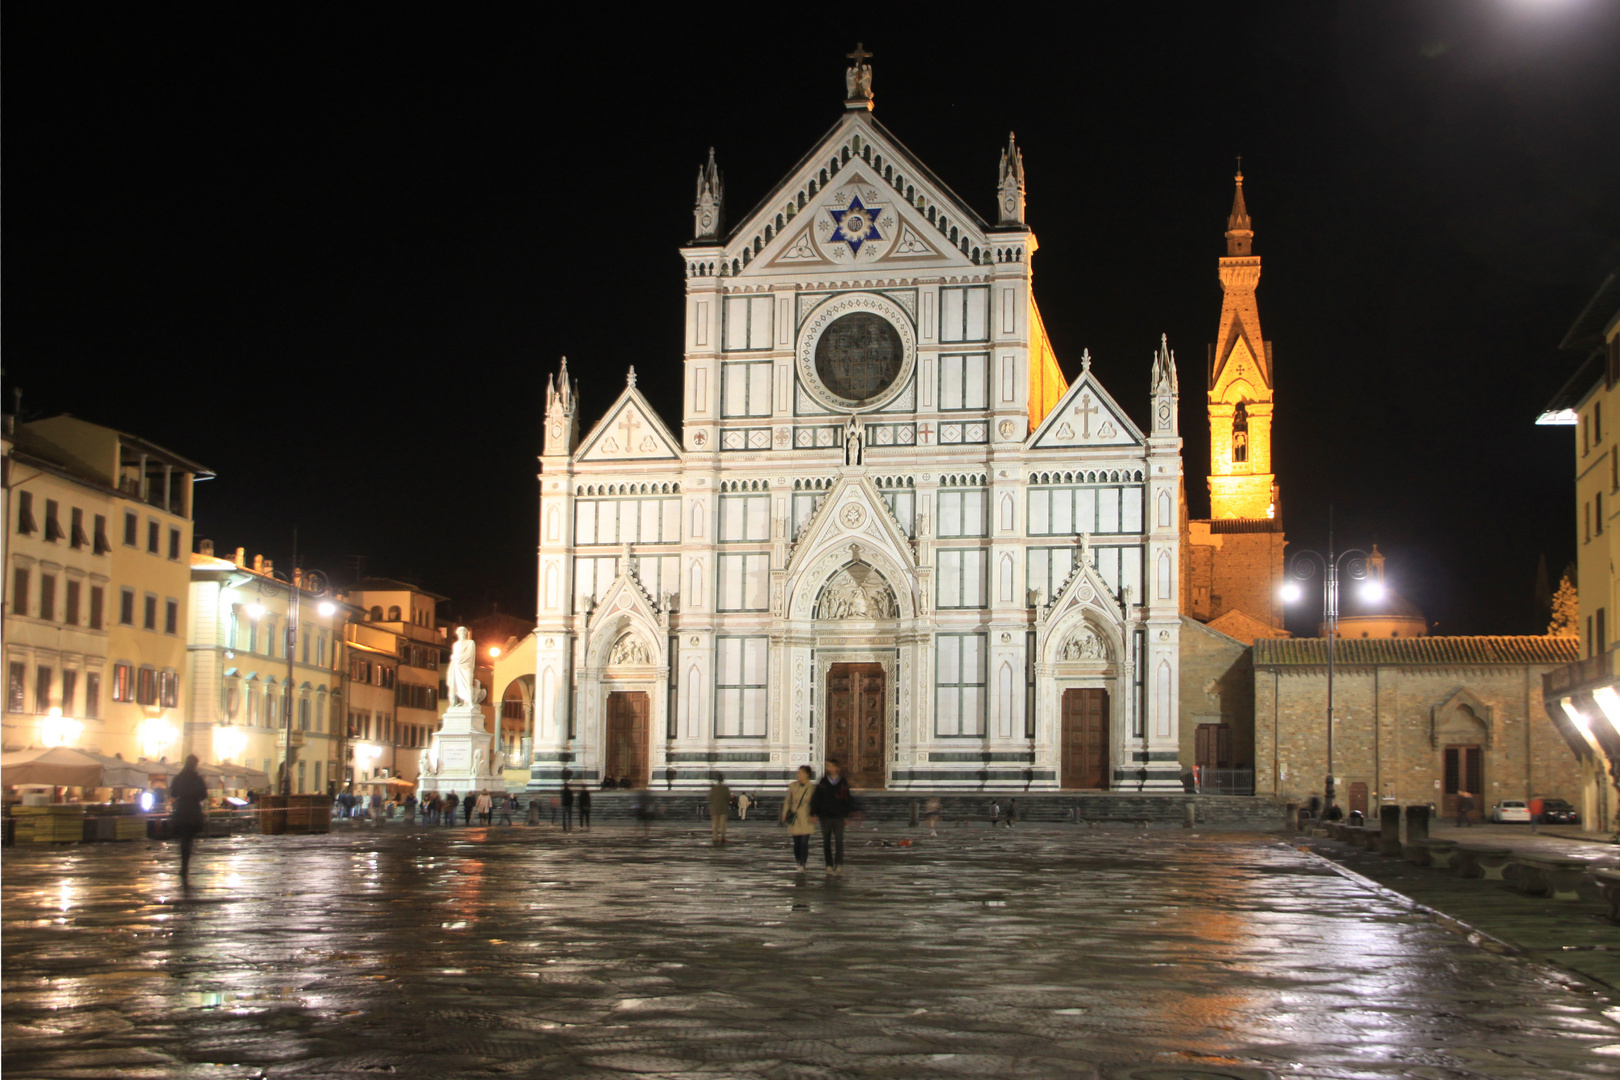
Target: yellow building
x,y
410,615
99,531
375,744
1584,698
247,684
1232,561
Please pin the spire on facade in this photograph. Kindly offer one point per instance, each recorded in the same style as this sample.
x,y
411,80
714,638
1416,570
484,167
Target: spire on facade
x,y
1010,193
630,377
858,80
1164,367
562,412
1085,361
709,212
1239,229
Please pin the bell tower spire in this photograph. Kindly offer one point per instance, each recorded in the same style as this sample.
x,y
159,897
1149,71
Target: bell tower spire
x,y
709,212
1241,482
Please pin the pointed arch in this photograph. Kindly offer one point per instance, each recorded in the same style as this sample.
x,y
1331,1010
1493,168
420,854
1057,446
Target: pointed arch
x,y
554,524
694,599
694,701
1004,700
1165,581
552,590
1164,520
1005,577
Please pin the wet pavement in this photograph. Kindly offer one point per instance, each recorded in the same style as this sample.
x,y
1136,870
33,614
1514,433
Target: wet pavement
x,y
1032,953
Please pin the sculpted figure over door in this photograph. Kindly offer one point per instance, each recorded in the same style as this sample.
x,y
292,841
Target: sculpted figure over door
x,y
1084,645
629,650
857,592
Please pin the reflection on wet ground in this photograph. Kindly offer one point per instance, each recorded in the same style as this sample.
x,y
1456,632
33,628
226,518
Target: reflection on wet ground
x,y
1031,953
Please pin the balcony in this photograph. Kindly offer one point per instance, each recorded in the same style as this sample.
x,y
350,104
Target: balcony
x,y
1581,675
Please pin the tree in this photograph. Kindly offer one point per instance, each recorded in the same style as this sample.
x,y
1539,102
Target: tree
x,y
1566,611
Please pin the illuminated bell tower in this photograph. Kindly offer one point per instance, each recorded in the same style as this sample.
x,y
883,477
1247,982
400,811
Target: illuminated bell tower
x,y
1241,481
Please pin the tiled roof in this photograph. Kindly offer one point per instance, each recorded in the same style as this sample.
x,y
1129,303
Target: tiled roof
x,y
1417,651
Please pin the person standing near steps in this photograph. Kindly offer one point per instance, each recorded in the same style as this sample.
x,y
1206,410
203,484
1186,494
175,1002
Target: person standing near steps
x,y
830,805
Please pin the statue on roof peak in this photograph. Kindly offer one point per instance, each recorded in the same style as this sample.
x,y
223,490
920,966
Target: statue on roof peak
x,y
858,78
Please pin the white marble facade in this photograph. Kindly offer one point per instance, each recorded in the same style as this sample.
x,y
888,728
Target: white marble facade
x,y
859,478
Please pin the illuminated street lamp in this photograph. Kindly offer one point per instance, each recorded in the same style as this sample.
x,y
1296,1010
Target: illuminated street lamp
x,y
1303,569
58,730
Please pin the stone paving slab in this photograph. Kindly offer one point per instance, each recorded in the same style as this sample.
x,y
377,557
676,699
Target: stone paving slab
x,y
524,952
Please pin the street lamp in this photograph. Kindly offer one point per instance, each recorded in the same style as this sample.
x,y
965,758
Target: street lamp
x,y
58,730
1303,569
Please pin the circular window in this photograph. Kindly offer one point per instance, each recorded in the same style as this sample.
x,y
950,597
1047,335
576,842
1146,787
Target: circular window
x,y
859,355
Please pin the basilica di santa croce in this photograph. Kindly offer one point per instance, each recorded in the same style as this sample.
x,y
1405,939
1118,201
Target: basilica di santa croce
x,y
887,529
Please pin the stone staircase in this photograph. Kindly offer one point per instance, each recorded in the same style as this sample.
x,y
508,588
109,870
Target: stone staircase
x,y
1230,812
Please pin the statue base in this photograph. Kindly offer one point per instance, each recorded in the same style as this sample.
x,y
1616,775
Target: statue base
x,y
466,755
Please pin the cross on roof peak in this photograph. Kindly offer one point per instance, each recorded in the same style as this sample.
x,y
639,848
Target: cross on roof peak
x,y
860,55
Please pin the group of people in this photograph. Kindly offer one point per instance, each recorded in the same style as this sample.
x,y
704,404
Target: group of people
x,y
440,809
807,804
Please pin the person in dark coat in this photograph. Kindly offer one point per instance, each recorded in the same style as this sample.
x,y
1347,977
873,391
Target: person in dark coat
x,y
567,805
449,808
188,791
584,807
830,805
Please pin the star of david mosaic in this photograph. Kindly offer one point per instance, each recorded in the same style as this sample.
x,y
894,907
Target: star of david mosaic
x,y
856,225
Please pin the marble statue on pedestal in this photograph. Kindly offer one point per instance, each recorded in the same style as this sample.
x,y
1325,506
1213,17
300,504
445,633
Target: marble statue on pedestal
x,y
458,676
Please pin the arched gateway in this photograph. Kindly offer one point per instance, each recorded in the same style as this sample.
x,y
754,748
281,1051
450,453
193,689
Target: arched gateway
x,y
886,527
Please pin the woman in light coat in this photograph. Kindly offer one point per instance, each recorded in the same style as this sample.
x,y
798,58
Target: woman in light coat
x,y
796,813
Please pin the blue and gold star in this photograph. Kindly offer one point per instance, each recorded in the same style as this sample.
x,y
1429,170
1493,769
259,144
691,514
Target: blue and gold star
x,y
856,225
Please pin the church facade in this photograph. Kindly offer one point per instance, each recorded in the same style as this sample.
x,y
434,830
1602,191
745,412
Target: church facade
x,y
886,528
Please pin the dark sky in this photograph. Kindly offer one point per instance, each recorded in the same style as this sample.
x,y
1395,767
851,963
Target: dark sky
x,y
333,251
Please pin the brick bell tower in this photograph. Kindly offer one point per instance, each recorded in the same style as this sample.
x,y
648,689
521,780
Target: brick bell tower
x,y
1233,561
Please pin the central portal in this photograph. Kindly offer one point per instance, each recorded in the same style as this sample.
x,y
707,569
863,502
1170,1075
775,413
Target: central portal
x,y
1085,738
626,737
857,723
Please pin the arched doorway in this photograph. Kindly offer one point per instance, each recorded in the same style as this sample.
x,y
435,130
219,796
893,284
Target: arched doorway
x,y
625,739
517,711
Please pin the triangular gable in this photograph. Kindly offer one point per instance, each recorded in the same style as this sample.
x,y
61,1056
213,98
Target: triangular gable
x,y
901,185
1086,416
1242,627
625,605
630,431
833,520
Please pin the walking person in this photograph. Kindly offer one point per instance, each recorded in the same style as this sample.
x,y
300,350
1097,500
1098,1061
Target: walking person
x,y
830,805
584,807
743,803
719,807
187,793
410,808
467,805
1538,806
508,804
484,807
796,814
449,808
1465,808
567,806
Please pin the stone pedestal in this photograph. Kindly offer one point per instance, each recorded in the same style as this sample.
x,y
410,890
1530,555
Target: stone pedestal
x,y
465,754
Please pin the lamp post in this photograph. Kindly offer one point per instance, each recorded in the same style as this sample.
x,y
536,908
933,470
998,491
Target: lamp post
x,y
1303,569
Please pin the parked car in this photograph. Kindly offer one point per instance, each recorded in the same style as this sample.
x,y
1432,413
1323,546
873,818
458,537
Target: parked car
x,y
1510,810
1559,812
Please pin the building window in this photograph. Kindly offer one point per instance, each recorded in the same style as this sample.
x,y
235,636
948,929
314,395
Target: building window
x,y
745,389
70,602
745,517
393,614
962,513
132,530
19,591
1597,422
154,532
123,687
964,382
92,695
747,322
43,679
962,578
617,521
53,524
151,612
76,536
1240,433
16,686
1597,514
1602,629
174,544
168,688
98,598
25,514
303,714
964,314
1070,511
961,697
126,607
171,617
102,544
740,699
47,596
146,686
744,582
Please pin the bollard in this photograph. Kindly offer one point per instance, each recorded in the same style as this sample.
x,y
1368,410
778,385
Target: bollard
x,y
913,813
1191,817
1389,834
1417,823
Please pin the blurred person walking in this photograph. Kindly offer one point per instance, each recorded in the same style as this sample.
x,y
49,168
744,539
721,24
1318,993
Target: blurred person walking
x,y
188,791
830,805
796,814
719,807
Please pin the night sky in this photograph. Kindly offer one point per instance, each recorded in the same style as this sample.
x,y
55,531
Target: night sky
x,y
333,251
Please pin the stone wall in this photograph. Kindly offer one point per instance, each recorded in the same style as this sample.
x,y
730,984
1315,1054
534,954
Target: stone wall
x,y
1393,724
1217,687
